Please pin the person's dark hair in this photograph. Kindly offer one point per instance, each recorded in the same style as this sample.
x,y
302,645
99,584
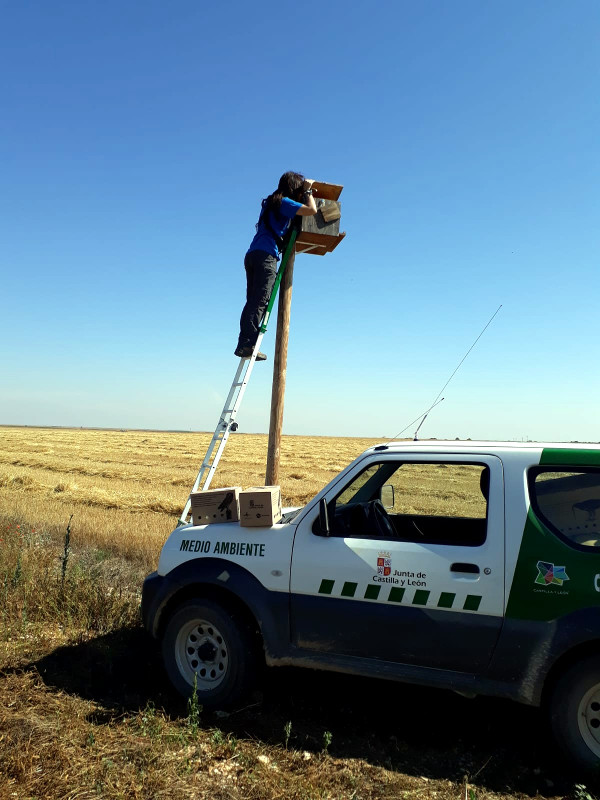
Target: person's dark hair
x,y
290,185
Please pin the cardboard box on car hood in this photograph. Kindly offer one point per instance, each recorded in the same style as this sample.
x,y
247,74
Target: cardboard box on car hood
x,y
216,505
260,506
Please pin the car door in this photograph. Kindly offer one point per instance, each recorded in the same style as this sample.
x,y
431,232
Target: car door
x,y
424,586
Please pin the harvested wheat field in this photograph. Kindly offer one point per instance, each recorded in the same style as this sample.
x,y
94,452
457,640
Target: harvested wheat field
x,y
86,710
126,489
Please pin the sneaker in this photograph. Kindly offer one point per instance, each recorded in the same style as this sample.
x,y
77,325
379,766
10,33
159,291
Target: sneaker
x,y
246,352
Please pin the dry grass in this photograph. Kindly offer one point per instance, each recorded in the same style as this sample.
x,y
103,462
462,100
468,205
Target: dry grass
x,y
85,708
58,749
127,488
63,747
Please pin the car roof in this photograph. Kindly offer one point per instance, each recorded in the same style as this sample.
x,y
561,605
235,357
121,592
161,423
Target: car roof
x,y
456,445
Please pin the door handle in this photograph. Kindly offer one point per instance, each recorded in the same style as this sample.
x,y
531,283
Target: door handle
x,y
459,566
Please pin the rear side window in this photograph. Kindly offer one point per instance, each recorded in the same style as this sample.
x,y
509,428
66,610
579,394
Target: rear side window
x,y
568,501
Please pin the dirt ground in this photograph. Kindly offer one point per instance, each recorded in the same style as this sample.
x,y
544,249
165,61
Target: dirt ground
x,y
313,734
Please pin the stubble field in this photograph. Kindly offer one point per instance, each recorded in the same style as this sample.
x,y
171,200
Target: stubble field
x,y
86,710
126,489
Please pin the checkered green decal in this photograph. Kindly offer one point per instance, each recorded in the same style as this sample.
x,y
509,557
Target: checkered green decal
x,y
326,586
372,592
472,602
395,595
421,597
446,600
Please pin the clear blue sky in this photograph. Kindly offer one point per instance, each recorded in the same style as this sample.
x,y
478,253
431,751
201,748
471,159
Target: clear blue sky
x,y
137,139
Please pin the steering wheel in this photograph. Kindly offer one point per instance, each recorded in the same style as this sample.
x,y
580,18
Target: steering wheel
x,y
380,520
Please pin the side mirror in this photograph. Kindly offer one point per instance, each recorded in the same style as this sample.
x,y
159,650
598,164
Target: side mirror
x,y
322,529
386,495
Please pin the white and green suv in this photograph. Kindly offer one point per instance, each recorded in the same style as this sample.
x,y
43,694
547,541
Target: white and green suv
x,y
471,566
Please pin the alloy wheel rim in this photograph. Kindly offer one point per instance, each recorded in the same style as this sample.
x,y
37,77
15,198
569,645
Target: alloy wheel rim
x,y
201,651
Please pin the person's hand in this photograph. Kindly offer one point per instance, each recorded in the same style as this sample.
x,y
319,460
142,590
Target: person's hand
x,y
307,184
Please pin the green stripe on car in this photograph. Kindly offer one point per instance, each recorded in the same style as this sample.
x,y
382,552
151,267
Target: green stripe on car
x,y
446,600
397,594
326,586
569,457
472,602
372,592
421,597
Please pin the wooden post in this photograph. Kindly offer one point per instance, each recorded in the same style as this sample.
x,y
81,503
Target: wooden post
x,y
279,371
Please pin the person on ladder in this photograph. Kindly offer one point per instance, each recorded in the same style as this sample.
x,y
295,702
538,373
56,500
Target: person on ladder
x,y
292,197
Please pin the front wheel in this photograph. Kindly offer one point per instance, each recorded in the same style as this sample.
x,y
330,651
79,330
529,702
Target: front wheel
x,y
575,713
204,641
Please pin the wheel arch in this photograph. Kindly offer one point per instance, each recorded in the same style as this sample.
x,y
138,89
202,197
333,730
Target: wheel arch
x,y
202,590
576,654
265,612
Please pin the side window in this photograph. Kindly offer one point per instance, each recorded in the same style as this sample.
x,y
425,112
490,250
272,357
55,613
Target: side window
x,y
568,502
425,502
441,490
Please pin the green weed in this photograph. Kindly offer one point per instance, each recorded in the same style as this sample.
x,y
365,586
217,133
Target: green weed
x,y
194,710
217,737
67,550
581,792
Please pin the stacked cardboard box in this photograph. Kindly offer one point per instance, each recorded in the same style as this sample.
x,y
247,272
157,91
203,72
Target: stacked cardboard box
x,y
216,505
260,506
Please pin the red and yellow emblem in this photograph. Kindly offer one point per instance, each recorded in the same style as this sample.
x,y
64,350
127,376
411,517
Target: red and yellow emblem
x,y
384,564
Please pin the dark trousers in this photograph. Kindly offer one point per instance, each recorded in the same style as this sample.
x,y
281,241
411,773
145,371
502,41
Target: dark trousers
x,y
261,270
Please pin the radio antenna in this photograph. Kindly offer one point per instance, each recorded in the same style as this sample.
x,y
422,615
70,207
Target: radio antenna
x,y
437,400
421,417
416,436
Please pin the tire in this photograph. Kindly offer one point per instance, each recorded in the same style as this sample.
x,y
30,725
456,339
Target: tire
x,y
203,639
575,713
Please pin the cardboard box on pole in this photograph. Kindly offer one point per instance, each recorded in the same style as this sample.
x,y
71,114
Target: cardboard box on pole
x,y
216,505
260,506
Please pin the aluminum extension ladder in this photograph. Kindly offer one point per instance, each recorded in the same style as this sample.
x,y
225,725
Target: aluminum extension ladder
x,y
227,423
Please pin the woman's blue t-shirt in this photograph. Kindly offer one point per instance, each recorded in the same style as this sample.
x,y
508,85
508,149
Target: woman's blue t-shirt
x,y
279,222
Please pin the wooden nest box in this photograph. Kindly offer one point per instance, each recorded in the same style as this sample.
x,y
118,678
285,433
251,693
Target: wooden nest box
x,y
320,233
